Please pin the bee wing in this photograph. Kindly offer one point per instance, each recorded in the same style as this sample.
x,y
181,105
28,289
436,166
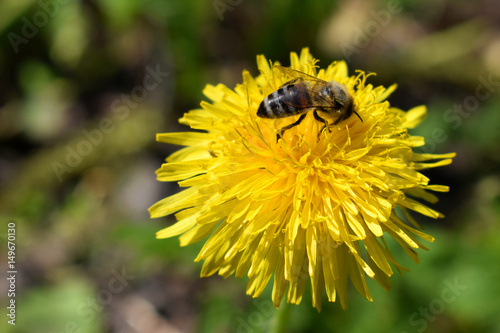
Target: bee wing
x,y
307,97
323,102
293,73
298,76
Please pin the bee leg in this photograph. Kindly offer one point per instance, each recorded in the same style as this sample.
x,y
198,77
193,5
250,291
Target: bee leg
x,y
318,118
287,127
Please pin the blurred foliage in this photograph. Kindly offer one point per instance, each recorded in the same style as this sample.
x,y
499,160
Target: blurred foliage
x,y
77,129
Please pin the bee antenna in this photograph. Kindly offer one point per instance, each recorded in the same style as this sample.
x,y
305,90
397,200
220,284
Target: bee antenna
x,y
358,115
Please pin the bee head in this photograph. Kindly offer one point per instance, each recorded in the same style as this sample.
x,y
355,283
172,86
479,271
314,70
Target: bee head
x,y
350,108
343,102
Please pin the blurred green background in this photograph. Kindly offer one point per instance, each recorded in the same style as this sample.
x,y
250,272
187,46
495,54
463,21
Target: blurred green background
x,y
101,77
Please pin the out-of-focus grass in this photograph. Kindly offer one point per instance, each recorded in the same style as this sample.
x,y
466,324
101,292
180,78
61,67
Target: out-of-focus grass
x,y
76,229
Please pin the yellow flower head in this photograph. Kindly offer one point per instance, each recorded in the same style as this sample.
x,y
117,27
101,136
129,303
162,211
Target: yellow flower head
x,y
314,205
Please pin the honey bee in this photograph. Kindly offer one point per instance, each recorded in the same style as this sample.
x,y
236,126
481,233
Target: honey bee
x,y
306,93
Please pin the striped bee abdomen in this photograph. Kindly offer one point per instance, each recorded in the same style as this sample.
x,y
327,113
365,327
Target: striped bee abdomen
x,y
284,102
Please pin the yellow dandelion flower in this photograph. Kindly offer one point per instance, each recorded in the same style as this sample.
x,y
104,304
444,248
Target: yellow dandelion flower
x,y
315,205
